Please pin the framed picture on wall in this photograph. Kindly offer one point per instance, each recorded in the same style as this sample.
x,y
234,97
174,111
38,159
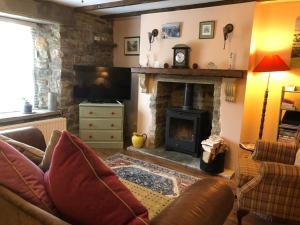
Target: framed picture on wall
x,y
295,57
132,46
207,30
170,30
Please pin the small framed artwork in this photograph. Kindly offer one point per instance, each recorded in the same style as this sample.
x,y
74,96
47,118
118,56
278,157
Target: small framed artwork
x,y
170,30
132,45
207,30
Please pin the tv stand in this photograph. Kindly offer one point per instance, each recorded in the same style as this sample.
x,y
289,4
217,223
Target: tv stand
x,y
101,124
103,101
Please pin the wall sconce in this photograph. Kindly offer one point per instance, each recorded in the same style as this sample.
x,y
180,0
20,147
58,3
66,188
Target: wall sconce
x,y
151,36
226,31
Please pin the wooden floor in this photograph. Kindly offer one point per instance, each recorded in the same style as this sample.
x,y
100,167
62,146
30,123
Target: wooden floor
x,y
231,220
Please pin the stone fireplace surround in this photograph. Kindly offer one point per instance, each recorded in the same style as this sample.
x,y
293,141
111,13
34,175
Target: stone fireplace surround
x,y
228,99
168,91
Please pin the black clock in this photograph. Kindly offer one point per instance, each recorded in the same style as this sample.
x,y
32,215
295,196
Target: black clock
x,y
181,56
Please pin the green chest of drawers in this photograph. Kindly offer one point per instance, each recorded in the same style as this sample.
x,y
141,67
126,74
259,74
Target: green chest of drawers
x,y
101,125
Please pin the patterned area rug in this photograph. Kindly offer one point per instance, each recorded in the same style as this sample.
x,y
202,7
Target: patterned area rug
x,y
158,179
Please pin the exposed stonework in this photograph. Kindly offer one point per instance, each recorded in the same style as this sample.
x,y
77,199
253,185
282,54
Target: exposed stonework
x,y
78,47
47,64
58,48
169,92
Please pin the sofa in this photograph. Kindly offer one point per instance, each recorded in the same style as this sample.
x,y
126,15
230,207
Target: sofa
x,y
199,205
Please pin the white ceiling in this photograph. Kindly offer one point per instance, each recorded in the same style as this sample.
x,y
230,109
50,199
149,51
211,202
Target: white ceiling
x,y
132,8
78,3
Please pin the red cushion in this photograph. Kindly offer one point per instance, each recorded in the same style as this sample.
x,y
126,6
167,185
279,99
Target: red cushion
x,y
23,177
86,191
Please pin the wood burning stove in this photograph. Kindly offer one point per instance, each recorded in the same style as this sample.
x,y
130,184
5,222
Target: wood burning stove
x,y
187,127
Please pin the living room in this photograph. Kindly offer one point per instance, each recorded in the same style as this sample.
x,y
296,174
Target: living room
x,y
239,68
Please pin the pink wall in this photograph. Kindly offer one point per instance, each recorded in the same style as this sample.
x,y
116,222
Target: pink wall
x,y
273,30
204,51
127,27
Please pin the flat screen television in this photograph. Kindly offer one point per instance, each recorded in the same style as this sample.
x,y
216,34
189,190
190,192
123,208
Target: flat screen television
x,y
102,84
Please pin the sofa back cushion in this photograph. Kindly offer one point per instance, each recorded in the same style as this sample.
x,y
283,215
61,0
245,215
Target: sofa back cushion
x,y
28,135
86,191
35,155
23,177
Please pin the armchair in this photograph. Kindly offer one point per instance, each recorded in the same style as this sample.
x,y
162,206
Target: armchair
x,y
269,183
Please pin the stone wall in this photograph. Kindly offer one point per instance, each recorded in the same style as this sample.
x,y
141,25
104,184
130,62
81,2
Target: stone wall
x,y
169,92
47,64
78,47
58,48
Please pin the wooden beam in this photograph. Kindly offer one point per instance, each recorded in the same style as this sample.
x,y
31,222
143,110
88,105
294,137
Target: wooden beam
x,y
190,72
175,8
114,5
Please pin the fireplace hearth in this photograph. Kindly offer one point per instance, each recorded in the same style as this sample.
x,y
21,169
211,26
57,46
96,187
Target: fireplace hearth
x,y
185,129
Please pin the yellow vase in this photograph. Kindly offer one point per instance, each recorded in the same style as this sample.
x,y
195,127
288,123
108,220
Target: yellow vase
x,y
138,140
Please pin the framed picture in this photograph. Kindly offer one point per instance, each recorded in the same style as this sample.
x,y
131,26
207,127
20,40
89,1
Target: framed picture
x,y
170,30
207,30
132,45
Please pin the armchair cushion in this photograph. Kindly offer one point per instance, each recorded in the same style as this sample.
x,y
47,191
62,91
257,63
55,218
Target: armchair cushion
x,y
280,173
280,152
93,196
275,192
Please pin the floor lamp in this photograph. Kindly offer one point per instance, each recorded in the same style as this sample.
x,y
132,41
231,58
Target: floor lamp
x,y
270,63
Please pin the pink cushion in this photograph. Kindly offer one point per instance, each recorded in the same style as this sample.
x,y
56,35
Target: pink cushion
x,y
86,191
23,177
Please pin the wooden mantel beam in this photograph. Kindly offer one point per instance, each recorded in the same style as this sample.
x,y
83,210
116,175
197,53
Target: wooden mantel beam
x,y
190,72
114,5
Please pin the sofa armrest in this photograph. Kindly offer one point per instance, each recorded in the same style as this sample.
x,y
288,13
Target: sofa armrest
x,y
28,135
280,152
17,211
199,205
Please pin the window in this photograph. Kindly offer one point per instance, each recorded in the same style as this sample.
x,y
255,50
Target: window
x,y
16,66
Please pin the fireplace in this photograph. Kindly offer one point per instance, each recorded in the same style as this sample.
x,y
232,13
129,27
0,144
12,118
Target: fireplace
x,y
169,92
185,129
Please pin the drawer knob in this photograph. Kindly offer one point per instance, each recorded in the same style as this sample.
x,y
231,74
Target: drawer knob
x,y
90,125
90,113
90,136
113,113
112,125
112,137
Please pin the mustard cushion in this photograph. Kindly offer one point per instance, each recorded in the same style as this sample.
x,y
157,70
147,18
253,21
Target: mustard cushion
x,y
45,164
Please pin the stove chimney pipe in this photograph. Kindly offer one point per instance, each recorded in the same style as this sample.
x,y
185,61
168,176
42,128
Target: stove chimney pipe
x,y
188,97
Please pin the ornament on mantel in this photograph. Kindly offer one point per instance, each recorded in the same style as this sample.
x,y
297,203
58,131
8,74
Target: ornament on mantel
x,y
195,66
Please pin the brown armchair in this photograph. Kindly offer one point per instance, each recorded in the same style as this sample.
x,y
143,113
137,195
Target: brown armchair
x,y
270,184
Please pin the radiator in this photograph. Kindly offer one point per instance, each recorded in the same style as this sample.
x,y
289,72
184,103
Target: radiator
x,y
46,126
